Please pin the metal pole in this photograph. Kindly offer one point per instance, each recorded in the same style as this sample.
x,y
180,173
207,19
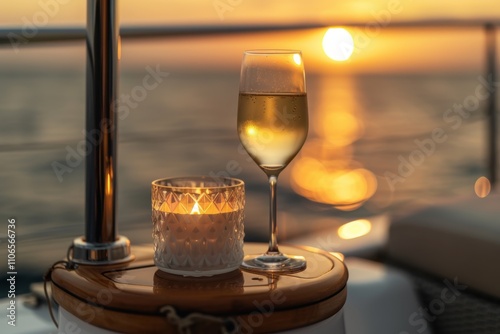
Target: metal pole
x,y
101,245
102,59
490,33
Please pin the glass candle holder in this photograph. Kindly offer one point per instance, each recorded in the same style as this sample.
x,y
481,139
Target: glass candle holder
x,y
198,225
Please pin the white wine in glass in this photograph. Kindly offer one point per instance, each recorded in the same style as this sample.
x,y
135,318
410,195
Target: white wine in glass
x,y
272,126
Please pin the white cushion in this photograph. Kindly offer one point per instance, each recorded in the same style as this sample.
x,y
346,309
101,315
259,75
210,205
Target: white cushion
x,y
381,300
456,240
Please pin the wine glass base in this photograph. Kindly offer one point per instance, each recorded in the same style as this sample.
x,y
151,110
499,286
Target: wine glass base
x,y
279,263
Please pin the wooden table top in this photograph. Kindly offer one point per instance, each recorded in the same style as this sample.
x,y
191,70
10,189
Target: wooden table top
x,y
139,287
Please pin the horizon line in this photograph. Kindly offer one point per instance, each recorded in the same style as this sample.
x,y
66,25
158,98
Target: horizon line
x,y
71,33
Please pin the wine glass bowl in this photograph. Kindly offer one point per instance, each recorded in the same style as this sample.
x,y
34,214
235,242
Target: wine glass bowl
x,y
272,127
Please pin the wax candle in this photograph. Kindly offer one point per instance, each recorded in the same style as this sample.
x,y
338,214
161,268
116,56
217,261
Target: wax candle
x,y
198,225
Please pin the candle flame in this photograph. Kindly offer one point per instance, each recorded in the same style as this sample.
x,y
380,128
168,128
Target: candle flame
x,y
196,209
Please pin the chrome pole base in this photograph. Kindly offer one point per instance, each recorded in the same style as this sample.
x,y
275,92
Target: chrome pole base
x,y
101,253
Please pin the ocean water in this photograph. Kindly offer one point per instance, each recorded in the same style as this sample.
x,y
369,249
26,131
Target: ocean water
x,y
187,126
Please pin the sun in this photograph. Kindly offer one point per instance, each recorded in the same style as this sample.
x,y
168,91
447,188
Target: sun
x,y
338,44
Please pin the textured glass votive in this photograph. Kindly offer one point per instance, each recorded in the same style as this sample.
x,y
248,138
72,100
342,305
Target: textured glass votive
x,y
198,225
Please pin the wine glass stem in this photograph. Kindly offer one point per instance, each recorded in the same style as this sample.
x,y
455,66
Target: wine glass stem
x,y
273,242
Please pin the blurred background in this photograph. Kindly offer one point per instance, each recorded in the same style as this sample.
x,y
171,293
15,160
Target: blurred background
x,y
397,106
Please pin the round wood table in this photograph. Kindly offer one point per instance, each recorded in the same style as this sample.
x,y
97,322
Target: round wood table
x,y
136,297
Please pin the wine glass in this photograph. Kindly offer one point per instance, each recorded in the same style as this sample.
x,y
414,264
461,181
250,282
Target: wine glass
x,y
272,126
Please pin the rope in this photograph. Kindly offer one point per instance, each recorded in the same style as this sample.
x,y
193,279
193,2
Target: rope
x,y
184,324
70,265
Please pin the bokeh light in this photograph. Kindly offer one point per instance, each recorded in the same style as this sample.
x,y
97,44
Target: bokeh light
x,y
297,59
355,229
482,187
346,189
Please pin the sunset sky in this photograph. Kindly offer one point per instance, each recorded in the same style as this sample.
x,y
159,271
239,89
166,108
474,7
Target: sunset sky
x,y
377,50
